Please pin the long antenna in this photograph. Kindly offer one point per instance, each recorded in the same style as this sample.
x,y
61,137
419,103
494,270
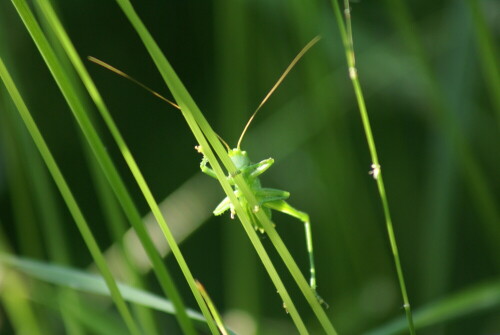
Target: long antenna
x,y
280,80
224,142
135,81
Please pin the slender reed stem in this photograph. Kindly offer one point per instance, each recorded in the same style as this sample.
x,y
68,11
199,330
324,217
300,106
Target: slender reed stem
x,y
346,35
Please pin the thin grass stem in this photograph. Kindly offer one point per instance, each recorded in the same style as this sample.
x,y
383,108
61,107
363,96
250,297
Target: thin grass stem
x,y
346,35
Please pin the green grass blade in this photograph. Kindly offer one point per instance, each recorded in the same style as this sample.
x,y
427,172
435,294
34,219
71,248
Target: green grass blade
x,y
90,283
43,192
110,207
16,304
19,185
164,277
63,187
93,283
212,308
346,35
47,211
14,300
105,161
466,302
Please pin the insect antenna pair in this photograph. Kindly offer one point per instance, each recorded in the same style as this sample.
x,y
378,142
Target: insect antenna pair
x,y
173,104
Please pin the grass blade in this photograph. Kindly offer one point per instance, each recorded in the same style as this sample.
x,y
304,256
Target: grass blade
x,y
164,277
66,192
472,300
14,295
91,283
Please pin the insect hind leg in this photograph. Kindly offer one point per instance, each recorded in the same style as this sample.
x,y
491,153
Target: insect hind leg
x,y
284,207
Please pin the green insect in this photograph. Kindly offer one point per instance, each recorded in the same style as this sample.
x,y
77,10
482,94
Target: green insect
x,y
269,199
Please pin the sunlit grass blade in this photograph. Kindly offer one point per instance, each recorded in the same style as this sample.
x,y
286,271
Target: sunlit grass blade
x,y
200,128
347,40
68,196
16,305
483,297
166,281
212,308
91,283
14,298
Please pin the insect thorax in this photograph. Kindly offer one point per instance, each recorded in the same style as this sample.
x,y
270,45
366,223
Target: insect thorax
x,y
239,157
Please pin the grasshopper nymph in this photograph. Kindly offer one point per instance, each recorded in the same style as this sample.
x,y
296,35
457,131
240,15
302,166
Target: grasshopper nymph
x,y
268,198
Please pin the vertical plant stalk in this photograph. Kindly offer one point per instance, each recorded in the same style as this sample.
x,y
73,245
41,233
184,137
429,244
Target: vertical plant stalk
x,y
346,35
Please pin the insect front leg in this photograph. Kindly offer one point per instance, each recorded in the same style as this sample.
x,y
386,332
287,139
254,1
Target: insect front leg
x,y
205,169
260,168
284,207
208,171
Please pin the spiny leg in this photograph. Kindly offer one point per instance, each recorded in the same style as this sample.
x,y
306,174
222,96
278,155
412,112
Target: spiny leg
x,y
225,205
284,207
222,207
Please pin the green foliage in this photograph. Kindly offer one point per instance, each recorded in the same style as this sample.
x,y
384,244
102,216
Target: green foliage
x,y
430,77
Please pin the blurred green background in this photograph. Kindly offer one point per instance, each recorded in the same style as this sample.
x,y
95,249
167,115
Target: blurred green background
x,y
435,117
